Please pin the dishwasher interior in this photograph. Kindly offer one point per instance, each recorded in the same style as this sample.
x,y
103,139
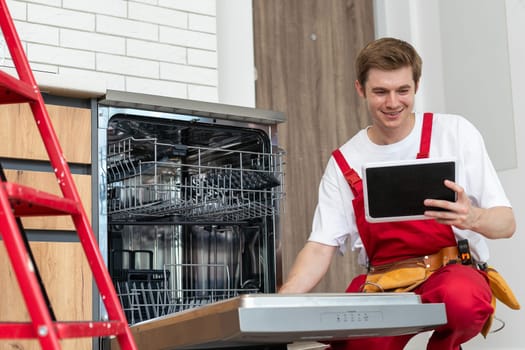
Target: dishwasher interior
x,y
192,212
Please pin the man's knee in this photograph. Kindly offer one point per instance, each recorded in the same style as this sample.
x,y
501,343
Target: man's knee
x,y
466,294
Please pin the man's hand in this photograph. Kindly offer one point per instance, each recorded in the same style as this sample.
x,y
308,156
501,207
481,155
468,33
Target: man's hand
x,y
460,213
496,222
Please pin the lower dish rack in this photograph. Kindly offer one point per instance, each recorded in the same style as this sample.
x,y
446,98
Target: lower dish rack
x,y
146,294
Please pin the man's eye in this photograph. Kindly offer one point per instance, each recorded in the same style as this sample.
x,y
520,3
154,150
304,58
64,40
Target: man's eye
x,y
404,91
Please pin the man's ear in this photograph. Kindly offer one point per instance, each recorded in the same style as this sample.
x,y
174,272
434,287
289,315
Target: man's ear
x,y
360,89
416,87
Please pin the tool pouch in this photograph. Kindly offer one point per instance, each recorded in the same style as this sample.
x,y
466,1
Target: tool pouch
x,y
500,291
402,279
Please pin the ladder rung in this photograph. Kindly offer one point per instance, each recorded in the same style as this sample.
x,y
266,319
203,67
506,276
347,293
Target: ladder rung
x,y
27,201
71,329
90,329
13,90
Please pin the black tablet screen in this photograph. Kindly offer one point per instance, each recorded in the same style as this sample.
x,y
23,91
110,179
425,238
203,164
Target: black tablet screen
x,y
399,190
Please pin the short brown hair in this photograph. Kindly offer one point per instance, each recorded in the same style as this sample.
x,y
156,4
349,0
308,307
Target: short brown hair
x,y
387,54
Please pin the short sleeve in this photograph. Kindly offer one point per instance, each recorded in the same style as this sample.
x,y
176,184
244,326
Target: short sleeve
x,y
334,220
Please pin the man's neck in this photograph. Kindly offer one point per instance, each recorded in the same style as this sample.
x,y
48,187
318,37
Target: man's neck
x,y
387,136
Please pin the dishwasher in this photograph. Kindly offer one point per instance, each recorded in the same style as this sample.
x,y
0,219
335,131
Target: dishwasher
x,y
190,196
190,203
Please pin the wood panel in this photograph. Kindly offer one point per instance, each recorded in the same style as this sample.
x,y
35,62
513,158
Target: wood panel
x,y
304,54
68,280
21,139
47,182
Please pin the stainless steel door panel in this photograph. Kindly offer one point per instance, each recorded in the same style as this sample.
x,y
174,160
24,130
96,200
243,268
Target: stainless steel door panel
x,y
280,319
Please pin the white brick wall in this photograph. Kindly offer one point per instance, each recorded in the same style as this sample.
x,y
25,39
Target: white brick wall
x,y
162,47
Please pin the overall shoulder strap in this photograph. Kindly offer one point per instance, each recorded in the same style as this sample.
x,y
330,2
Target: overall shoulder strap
x,y
426,134
350,175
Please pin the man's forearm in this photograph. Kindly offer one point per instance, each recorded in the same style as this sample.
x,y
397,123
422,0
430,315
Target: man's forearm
x,y
496,222
310,266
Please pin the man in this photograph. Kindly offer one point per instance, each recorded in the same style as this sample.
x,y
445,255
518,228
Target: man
x,y
388,72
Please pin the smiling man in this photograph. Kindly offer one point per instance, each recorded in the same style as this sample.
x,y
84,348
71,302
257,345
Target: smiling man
x,y
388,72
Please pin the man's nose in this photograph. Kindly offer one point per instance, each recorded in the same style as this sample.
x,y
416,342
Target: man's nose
x,y
392,99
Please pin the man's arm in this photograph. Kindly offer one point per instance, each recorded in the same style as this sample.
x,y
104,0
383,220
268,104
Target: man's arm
x,y
310,266
495,222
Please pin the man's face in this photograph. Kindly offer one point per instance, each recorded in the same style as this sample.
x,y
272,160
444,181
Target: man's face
x,y
389,97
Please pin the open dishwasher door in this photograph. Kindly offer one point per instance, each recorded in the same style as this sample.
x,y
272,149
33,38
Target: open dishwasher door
x,y
270,319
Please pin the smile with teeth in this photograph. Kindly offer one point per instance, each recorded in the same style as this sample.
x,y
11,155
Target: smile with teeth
x,y
392,113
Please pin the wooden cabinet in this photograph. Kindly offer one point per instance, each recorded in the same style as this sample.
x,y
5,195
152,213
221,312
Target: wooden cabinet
x,y
21,139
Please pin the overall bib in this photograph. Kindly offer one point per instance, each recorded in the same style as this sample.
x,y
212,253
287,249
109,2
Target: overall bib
x,y
464,290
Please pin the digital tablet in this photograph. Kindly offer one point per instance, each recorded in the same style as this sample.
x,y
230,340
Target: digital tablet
x,y
395,191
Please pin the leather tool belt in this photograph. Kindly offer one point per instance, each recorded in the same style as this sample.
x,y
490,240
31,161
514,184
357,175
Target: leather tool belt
x,y
432,262
405,275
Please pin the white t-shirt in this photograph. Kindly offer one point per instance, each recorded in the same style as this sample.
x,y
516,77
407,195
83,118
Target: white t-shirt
x,y
452,136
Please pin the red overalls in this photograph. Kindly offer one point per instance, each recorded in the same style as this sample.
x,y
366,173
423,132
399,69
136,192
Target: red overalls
x,y
464,290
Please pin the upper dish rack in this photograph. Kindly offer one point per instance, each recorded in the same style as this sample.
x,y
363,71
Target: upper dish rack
x,y
150,179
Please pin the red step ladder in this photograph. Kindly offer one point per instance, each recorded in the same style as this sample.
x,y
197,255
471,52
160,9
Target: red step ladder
x,y
17,201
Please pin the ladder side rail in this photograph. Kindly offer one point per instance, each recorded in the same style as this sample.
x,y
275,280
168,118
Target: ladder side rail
x,y
85,233
15,46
